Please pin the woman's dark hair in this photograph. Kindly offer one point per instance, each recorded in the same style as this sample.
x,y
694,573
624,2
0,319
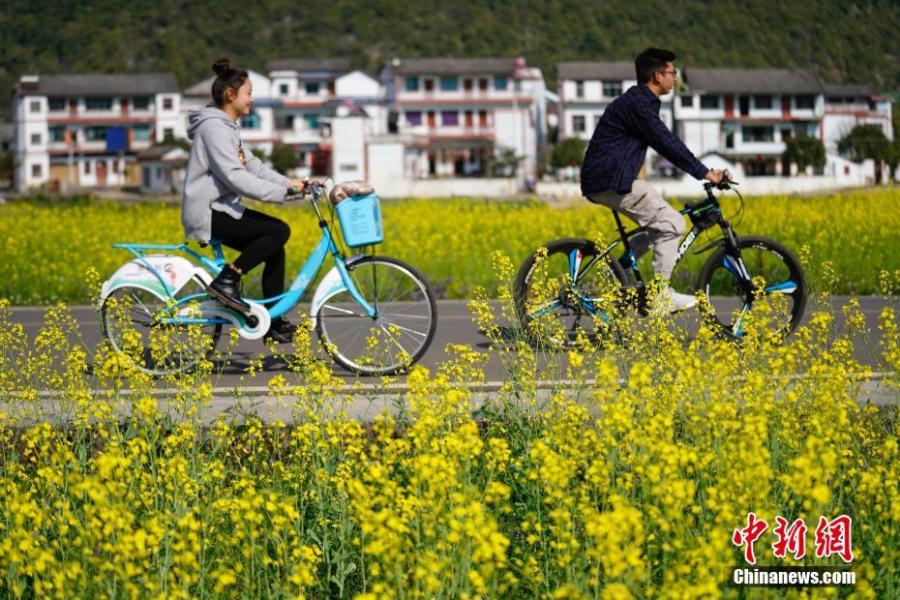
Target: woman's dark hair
x,y
227,77
651,61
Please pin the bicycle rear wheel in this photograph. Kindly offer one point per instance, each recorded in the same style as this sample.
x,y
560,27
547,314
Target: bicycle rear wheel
x,y
134,321
400,332
571,292
780,287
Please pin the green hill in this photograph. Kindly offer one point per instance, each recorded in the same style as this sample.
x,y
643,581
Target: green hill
x,y
850,41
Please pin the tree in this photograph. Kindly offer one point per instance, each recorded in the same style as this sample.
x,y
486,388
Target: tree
x,y
568,153
283,158
805,151
866,141
504,164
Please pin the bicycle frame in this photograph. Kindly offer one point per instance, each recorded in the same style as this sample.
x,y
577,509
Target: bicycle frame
x,y
704,215
277,305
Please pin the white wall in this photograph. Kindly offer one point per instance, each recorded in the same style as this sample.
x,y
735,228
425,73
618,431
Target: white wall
x,y
356,84
348,156
385,164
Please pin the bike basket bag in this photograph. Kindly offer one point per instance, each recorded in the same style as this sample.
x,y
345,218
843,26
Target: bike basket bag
x,y
360,218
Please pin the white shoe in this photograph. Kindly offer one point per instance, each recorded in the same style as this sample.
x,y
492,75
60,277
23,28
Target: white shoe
x,y
669,301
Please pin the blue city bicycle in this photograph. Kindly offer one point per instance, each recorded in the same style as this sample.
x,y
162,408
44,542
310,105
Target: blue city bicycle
x,y
374,315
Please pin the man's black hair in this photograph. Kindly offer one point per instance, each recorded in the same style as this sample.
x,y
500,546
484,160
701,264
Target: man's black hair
x,y
651,61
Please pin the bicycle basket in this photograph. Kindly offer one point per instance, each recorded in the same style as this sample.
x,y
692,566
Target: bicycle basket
x,y
360,218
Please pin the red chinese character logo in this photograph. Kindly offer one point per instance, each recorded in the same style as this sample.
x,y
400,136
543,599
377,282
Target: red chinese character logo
x,y
790,539
748,535
833,537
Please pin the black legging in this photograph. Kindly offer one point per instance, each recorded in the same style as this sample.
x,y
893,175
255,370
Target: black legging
x,y
259,237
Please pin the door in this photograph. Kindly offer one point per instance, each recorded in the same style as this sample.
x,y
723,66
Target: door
x,y
431,119
101,173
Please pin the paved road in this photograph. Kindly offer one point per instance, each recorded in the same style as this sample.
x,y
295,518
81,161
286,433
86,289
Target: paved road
x,y
455,326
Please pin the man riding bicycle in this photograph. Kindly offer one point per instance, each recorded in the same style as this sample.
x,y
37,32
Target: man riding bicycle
x,y
617,151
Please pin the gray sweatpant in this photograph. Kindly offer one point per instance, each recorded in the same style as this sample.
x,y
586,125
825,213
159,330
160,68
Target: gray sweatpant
x,y
646,206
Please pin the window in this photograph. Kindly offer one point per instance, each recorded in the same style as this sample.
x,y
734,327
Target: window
x,y
56,103
283,89
811,129
57,133
251,121
805,102
312,120
98,103
35,106
87,167
579,89
284,122
141,133
578,124
612,89
95,134
449,83
36,171
467,84
758,134
168,133
482,119
470,119
167,103
414,118
501,82
449,118
483,84
412,84
429,85
312,88
141,102
709,102
687,101
35,139
762,102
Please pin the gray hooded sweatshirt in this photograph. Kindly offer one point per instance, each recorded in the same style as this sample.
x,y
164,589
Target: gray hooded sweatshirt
x,y
220,172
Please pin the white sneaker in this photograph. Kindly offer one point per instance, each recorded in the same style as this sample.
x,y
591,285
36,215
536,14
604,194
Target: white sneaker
x,y
669,301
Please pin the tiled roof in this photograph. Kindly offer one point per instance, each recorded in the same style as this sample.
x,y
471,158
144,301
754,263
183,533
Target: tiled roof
x,y
616,71
773,81
454,66
101,84
317,65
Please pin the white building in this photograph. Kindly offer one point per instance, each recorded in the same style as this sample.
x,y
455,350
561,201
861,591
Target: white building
x,y
454,116
587,88
747,115
85,130
849,105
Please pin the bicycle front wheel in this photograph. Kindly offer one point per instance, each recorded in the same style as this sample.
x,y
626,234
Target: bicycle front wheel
x,y
777,283
401,330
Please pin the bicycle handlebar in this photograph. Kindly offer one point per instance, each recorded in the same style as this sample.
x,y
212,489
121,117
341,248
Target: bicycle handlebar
x,y
725,184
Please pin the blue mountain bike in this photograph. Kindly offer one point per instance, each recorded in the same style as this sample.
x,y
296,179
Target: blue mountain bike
x,y
374,315
577,287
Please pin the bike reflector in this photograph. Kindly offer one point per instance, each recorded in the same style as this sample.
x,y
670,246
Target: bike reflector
x,y
360,218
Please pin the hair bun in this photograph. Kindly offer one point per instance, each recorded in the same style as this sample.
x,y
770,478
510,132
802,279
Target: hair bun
x,y
221,67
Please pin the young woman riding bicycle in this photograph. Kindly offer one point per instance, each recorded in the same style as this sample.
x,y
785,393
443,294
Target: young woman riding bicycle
x,y
219,172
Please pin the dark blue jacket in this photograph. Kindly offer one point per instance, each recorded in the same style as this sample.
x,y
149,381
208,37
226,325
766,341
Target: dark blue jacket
x,y
619,145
